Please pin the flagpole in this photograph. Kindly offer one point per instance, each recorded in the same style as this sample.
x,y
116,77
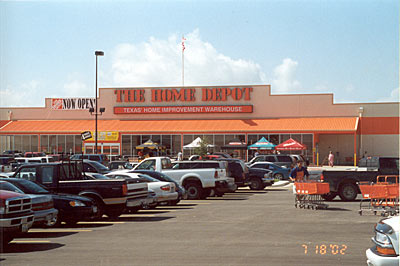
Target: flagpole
x,y
183,69
183,61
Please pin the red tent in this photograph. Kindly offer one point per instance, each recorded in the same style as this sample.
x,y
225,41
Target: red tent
x,y
290,144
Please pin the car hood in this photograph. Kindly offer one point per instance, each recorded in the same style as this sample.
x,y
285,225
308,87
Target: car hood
x,y
69,197
40,198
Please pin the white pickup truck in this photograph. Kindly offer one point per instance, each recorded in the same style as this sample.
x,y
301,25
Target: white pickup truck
x,y
197,182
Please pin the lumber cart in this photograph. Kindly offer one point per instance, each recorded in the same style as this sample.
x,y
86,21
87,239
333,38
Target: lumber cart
x,y
380,197
309,194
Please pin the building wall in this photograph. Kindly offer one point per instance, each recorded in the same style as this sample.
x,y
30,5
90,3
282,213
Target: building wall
x,y
342,147
265,106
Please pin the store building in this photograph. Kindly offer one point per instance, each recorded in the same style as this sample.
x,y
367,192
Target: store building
x,y
175,116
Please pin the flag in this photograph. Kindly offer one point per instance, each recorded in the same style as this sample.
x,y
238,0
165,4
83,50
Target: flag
x,y
183,43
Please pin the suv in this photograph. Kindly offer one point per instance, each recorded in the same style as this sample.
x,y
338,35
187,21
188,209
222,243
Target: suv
x,y
238,170
278,159
101,158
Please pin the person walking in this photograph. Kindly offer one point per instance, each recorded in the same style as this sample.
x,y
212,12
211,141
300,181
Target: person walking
x,y
331,158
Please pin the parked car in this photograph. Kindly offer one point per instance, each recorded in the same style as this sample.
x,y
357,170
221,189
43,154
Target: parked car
x,y
299,157
101,158
42,205
12,153
182,194
34,154
283,160
71,208
386,243
279,172
118,165
165,191
6,164
238,170
34,159
260,178
16,215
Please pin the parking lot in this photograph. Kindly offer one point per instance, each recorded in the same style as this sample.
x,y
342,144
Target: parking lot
x,y
241,228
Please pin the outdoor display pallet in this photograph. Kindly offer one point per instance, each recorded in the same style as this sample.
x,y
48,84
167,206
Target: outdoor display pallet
x,y
380,197
309,195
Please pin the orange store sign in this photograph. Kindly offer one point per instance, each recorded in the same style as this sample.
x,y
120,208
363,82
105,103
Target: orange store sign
x,y
184,109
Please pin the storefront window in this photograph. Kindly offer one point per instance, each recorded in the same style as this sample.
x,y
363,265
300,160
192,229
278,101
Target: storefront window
x,y
156,138
166,141
18,143
187,139
126,145
53,144
77,144
176,145
69,144
145,138
34,143
44,143
229,138
60,143
251,139
284,137
274,139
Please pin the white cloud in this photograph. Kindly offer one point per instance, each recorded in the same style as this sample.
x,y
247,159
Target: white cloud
x,y
284,77
77,88
394,96
159,63
27,94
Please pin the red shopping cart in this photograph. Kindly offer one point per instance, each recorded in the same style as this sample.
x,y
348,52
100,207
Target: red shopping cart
x,y
380,197
309,194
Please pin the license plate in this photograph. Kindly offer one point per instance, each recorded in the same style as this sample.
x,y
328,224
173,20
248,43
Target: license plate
x,y
24,228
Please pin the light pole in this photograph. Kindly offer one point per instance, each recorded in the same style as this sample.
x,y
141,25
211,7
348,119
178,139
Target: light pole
x,y
97,53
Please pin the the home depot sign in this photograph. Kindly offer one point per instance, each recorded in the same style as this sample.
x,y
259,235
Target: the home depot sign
x,y
183,95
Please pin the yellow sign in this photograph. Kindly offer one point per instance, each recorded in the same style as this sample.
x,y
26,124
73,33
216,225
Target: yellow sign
x,y
105,136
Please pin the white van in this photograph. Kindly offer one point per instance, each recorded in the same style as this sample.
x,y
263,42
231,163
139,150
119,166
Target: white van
x,y
45,159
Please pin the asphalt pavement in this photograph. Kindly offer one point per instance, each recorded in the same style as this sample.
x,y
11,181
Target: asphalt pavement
x,y
241,228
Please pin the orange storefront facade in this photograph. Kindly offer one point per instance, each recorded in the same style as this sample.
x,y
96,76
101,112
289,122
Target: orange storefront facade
x,y
175,116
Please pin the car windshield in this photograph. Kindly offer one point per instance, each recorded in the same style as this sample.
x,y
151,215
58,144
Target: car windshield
x,y
98,165
29,187
10,187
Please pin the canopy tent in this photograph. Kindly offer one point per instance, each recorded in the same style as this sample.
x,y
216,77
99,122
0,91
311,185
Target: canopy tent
x,y
262,144
290,144
235,144
149,145
196,144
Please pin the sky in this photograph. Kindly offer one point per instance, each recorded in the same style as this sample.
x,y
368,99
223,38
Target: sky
x,y
348,48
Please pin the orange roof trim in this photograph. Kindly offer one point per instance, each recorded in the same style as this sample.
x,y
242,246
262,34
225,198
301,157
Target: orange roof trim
x,y
330,124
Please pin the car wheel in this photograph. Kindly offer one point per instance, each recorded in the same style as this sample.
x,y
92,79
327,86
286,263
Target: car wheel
x,y
100,208
329,196
194,190
348,192
278,176
256,184
55,222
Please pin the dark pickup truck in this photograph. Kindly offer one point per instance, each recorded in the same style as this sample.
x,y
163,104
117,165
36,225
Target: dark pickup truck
x,y
112,196
345,182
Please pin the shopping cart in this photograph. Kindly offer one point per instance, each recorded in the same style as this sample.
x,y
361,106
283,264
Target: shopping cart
x,y
309,194
380,197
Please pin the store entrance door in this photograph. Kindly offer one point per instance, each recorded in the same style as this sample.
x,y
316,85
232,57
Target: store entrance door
x,y
103,148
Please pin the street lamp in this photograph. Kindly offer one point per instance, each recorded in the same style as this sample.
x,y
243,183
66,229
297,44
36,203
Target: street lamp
x,y
97,53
